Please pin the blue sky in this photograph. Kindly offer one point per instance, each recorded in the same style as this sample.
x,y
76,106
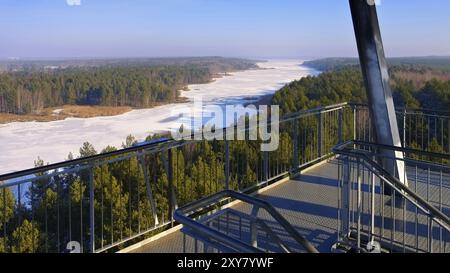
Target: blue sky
x,y
244,28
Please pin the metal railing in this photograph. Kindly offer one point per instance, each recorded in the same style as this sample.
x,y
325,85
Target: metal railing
x,y
420,129
413,218
207,227
107,201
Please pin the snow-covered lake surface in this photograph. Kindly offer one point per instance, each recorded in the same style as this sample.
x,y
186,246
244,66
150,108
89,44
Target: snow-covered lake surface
x,y
23,142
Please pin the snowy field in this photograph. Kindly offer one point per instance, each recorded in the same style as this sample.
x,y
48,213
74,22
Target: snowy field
x,y
23,142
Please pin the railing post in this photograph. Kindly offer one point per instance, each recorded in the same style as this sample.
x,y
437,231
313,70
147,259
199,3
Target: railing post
x,y
404,127
91,211
296,161
372,207
266,166
319,134
170,190
143,162
340,124
345,199
354,122
358,204
227,165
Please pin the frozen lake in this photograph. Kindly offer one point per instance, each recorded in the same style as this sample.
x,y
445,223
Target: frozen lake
x,y
23,142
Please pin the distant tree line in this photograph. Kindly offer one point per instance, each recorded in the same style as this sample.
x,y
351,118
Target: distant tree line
x,y
412,86
134,84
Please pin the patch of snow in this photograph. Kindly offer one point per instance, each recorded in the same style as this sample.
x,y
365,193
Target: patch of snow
x,y
23,142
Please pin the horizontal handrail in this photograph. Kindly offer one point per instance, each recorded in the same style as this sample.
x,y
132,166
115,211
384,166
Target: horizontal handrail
x,y
395,148
182,215
83,160
314,111
410,110
344,149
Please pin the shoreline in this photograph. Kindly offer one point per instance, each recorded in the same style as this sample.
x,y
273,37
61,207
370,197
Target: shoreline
x,y
77,111
63,112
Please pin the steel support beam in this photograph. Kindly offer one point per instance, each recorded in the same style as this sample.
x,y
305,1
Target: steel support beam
x,y
376,78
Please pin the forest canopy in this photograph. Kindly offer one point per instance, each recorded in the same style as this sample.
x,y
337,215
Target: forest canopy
x,y
415,83
29,87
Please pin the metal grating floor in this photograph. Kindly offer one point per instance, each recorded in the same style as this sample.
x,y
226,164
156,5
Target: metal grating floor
x,y
308,202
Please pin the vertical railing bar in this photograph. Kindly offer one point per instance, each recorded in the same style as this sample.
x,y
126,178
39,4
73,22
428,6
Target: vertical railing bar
x,y
428,132
381,209
81,215
442,134
102,206
430,232
121,222
404,128
417,130
429,235
352,193
409,131
171,189
58,190
422,123
435,129
91,210
440,208
363,194
319,135
32,223
347,197
339,200
46,222
393,204
19,216
227,164
4,220
111,210
340,125
266,166
325,133
359,205
184,242
448,136
404,200
130,195
305,145
354,122
416,211
364,123
372,219
151,200
70,209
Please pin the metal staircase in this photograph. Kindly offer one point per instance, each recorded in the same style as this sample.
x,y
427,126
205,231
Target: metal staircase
x,y
223,229
412,218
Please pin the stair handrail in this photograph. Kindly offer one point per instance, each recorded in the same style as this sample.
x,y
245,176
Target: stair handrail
x,y
346,149
182,215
